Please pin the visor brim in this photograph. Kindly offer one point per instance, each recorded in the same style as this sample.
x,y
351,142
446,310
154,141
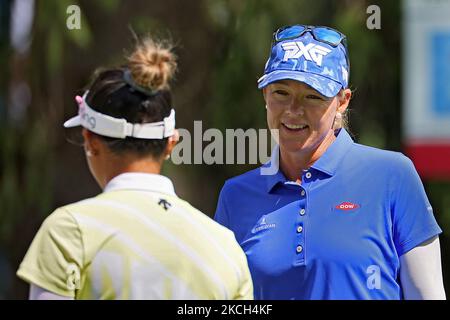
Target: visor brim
x,y
325,86
73,122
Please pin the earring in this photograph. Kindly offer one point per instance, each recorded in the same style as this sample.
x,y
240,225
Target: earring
x,y
338,120
88,153
167,157
266,106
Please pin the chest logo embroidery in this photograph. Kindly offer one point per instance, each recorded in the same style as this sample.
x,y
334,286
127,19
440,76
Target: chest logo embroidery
x,y
164,203
347,206
263,225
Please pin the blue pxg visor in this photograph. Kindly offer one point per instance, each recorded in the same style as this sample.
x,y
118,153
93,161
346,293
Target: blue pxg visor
x,y
308,58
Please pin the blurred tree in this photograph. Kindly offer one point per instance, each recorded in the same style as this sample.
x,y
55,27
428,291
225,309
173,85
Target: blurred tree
x,y
222,47
26,195
5,10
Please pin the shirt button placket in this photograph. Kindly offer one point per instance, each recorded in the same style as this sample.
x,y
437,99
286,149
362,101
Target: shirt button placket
x,y
301,239
300,246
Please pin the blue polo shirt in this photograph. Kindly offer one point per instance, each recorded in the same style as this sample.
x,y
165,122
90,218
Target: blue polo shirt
x,y
339,234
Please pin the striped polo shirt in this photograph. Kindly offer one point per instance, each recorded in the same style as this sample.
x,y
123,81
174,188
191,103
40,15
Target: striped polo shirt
x,y
136,240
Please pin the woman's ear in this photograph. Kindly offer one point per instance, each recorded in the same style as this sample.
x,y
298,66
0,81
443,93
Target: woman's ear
x,y
344,100
91,144
171,143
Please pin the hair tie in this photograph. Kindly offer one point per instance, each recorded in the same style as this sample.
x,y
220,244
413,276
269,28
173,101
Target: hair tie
x,y
128,78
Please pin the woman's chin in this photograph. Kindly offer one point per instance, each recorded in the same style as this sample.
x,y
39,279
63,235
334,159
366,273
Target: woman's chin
x,y
294,146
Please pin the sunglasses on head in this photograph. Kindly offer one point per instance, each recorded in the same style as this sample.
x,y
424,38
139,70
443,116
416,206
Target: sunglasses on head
x,y
323,34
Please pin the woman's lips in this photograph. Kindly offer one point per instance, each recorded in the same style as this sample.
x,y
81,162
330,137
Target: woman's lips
x,y
295,127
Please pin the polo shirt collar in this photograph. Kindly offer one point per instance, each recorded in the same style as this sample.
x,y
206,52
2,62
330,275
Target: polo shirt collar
x,y
330,160
327,163
273,179
142,182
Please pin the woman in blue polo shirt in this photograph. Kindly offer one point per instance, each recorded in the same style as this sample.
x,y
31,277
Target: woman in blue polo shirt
x,y
328,218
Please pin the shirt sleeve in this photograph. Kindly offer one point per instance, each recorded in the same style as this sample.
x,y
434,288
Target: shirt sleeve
x,y
245,288
221,215
245,291
37,293
55,257
421,272
413,219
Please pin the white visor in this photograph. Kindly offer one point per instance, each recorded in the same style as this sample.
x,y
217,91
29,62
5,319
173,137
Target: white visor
x,y
108,126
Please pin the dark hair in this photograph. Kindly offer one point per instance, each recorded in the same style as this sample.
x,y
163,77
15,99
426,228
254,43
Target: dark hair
x,y
151,66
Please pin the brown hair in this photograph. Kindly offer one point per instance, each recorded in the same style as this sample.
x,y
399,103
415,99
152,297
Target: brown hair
x,y
147,98
343,122
152,65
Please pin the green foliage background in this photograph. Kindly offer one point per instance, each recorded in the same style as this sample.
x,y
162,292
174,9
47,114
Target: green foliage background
x,y
222,47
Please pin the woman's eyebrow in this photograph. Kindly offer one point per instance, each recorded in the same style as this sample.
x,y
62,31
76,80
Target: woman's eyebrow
x,y
279,83
314,92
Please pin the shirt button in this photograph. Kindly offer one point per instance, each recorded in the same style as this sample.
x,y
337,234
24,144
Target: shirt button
x,y
299,229
302,193
308,175
302,212
299,249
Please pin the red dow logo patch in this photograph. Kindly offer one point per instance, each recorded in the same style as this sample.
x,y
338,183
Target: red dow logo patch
x,y
347,206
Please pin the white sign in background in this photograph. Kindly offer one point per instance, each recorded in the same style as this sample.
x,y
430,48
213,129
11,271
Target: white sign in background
x,y
426,70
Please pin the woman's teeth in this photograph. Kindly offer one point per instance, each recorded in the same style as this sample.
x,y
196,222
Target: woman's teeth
x,y
295,126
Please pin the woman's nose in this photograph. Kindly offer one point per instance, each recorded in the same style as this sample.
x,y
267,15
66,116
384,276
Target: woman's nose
x,y
297,107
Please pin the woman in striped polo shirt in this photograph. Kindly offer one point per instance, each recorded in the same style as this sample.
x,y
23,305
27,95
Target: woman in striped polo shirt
x,y
137,239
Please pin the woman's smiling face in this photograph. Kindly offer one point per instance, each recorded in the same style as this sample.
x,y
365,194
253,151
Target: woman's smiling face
x,y
302,116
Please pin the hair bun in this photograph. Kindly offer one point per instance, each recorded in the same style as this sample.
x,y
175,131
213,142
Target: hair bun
x,y
152,64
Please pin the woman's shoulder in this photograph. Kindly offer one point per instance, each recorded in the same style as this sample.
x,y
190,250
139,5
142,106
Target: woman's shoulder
x,y
379,157
60,221
76,206
249,179
201,219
